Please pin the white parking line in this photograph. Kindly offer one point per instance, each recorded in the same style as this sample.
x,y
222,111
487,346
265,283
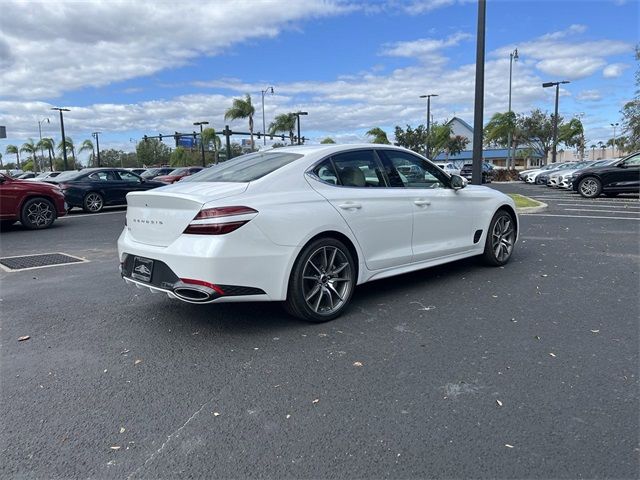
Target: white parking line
x,y
608,205
575,216
597,210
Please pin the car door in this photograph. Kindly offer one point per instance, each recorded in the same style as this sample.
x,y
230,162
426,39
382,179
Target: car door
x,y
10,197
379,217
106,183
128,182
443,218
624,176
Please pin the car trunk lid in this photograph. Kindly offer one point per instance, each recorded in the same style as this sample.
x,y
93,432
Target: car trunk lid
x,y
158,217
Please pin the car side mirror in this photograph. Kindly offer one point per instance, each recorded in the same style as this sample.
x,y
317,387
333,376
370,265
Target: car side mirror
x,y
621,165
457,182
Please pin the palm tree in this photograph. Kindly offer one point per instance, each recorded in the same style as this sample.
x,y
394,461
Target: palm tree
x,y
0,161
327,140
209,136
242,109
379,136
285,122
48,143
31,148
593,153
498,129
69,148
16,150
87,145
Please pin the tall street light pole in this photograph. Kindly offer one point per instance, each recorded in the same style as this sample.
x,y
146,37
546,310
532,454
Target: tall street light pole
x,y
297,114
478,107
40,122
512,56
96,136
428,97
64,139
613,147
555,117
201,142
264,125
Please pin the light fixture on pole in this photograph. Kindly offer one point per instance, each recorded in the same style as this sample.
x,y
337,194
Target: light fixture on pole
x,y
96,136
264,126
64,139
613,147
40,122
297,114
555,117
428,97
513,56
201,142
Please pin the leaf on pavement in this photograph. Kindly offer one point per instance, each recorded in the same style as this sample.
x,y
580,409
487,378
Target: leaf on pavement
x,y
316,401
508,446
499,403
23,338
595,331
552,354
357,364
137,361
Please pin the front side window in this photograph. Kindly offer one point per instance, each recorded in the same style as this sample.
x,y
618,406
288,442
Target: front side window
x,y
104,176
129,177
633,161
359,168
409,171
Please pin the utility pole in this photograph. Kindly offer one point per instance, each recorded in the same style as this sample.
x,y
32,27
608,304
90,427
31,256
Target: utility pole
x,y
64,140
511,159
204,164
297,114
264,126
428,97
478,108
554,152
613,147
40,133
96,136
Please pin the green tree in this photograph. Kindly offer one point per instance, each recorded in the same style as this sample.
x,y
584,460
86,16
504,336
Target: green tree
x,y
31,148
152,152
379,136
631,113
285,122
537,132
277,145
209,138
413,139
48,144
497,131
15,150
180,157
571,134
442,140
70,148
327,140
241,109
87,145
0,160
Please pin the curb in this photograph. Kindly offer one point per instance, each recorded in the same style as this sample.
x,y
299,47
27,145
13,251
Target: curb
x,y
543,206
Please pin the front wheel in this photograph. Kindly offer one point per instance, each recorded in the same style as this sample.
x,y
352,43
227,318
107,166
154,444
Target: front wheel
x,y
590,187
501,238
322,281
37,213
93,203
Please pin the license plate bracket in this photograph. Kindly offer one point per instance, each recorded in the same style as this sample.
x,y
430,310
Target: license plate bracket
x,y
142,269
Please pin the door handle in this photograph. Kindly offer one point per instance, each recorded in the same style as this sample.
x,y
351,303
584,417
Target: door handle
x,y
349,205
421,203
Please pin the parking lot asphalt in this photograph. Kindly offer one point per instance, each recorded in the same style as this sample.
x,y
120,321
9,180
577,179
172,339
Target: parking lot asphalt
x,y
525,371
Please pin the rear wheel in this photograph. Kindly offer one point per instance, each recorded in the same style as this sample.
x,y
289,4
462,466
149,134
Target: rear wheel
x,y
93,202
590,187
37,213
501,239
322,281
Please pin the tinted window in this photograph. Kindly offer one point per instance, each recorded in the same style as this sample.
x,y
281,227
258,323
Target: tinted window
x,y
128,176
406,170
633,161
325,172
104,176
245,168
151,172
358,169
70,175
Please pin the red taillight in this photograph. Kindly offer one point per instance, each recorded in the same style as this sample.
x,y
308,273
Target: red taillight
x,y
211,221
202,283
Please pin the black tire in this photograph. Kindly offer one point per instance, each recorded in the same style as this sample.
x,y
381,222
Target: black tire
x,y
322,281
590,187
93,202
37,213
611,194
501,238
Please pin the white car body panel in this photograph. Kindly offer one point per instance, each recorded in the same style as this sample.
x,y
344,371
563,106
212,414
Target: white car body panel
x,y
390,232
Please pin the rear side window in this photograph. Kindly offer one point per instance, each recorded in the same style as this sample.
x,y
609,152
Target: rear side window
x,y
359,168
245,168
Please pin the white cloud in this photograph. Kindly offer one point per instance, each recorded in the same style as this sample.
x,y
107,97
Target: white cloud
x,y
570,68
614,70
424,48
589,95
574,29
94,43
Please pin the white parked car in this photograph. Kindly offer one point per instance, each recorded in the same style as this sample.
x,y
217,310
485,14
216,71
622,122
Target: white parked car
x,y
448,167
306,224
43,176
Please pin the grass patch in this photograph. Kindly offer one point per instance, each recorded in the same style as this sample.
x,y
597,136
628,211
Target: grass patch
x,y
522,201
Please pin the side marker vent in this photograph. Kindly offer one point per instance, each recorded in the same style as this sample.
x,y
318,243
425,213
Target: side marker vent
x,y
476,236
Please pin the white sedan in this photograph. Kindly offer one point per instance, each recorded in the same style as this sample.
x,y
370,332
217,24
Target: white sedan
x,y
448,167
306,224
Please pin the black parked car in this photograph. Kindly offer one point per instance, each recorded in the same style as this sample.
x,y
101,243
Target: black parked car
x,y
93,188
487,172
622,176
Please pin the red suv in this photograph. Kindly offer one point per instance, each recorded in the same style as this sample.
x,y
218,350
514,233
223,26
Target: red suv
x,y
35,204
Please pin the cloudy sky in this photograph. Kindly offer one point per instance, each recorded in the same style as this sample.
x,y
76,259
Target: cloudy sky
x,y
129,68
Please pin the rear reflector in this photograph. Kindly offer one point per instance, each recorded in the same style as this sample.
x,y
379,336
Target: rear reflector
x,y
214,221
202,283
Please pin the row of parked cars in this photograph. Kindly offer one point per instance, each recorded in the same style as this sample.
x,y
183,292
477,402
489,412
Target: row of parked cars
x,y
590,178
37,201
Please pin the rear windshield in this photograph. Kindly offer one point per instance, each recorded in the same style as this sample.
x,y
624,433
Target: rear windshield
x,y
245,168
69,175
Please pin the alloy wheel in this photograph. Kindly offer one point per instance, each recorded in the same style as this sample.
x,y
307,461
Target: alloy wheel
x,y
589,187
39,213
503,238
93,202
327,280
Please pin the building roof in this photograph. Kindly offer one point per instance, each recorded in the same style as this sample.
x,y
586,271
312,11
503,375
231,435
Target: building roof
x,y
465,124
488,154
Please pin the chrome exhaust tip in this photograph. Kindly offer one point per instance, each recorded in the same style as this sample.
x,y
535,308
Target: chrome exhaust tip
x,y
194,293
